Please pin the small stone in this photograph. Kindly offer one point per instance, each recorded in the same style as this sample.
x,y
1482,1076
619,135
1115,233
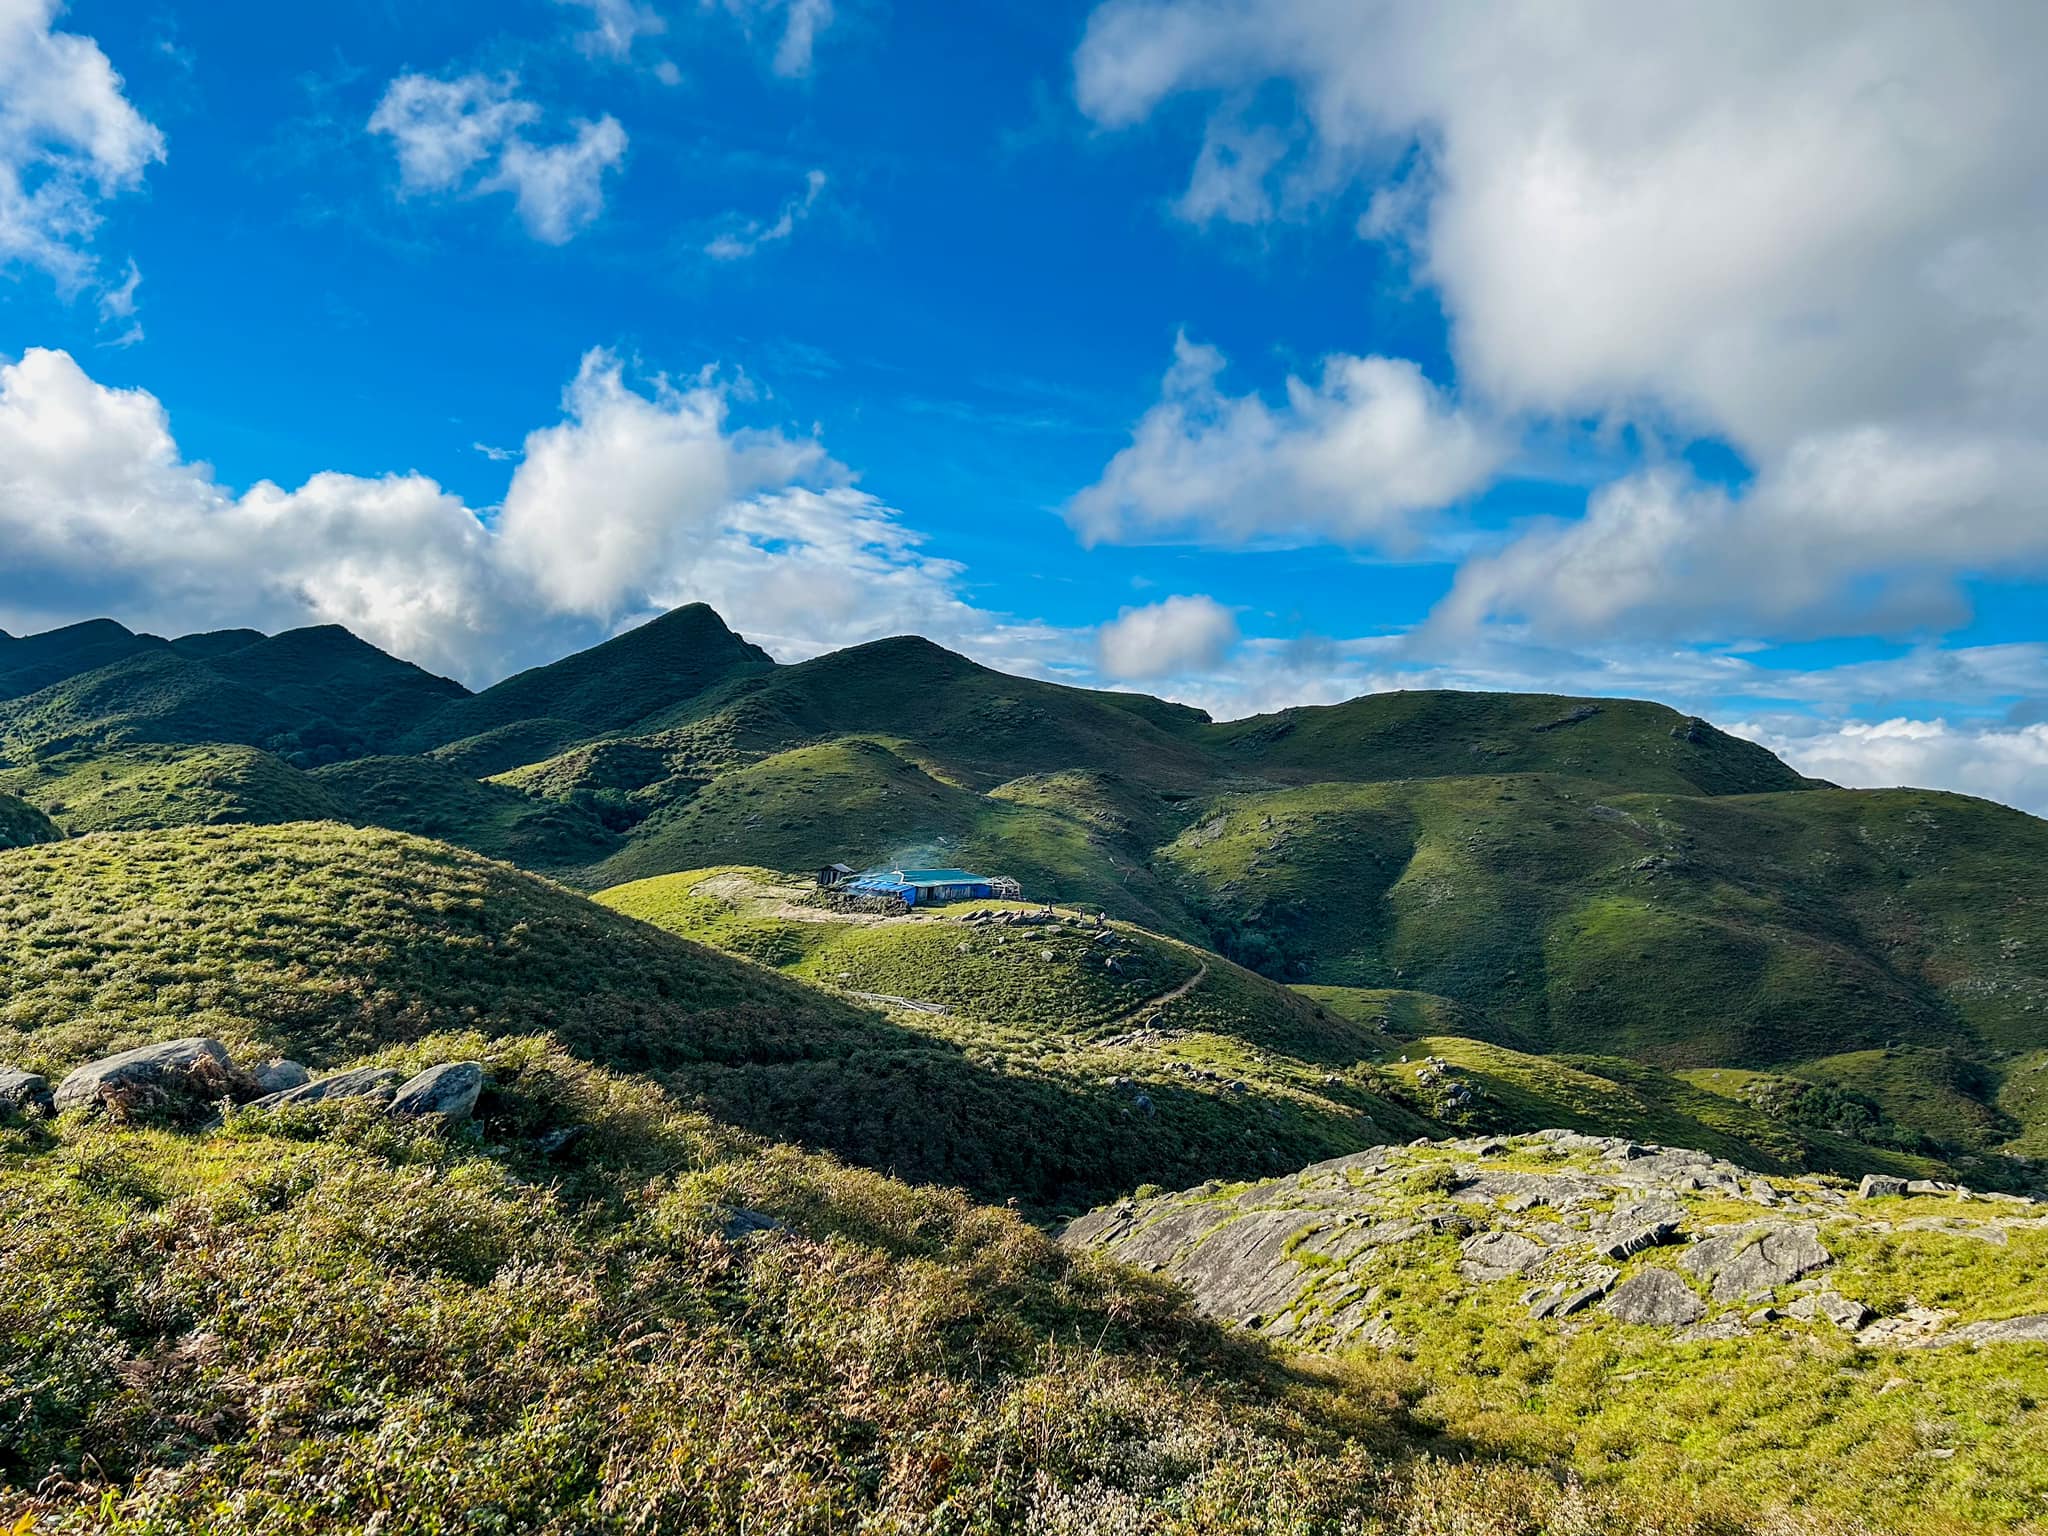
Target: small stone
x,y
1827,1307
449,1090
1880,1186
359,1083
1655,1297
745,1223
25,1093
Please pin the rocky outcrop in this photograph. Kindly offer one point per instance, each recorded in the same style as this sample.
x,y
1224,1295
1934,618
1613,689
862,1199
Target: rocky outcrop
x,y
1879,1186
1656,1298
362,1082
1754,1261
1557,1228
173,1076
449,1090
25,1093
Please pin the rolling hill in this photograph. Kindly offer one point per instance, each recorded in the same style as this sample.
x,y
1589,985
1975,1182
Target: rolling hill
x,y
1589,878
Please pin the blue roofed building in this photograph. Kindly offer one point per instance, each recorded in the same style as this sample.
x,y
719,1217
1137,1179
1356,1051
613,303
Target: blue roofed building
x,y
929,887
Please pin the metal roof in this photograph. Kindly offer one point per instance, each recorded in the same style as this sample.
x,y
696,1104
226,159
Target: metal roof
x,y
938,877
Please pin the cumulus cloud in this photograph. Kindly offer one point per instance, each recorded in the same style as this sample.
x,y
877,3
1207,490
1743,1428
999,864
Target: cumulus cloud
x,y
636,500
1173,638
2003,763
464,136
1352,456
1810,230
69,140
1864,531
748,236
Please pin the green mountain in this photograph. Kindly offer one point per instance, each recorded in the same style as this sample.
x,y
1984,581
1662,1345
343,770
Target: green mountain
x,y
1599,879
629,681
708,1253
33,662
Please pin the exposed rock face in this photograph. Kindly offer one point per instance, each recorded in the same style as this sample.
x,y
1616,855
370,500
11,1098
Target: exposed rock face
x,y
25,1093
1559,1228
176,1073
363,1082
1754,1261
1876,1186
449,1090
1656,1297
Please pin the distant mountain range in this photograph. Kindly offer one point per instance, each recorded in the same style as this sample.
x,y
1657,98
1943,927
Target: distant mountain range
x,y
1600,879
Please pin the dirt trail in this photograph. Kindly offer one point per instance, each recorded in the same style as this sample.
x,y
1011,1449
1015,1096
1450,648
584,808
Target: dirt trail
x,y
1152,1005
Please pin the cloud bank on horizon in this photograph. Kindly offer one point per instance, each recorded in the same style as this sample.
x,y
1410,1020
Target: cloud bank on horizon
x,y
1700,357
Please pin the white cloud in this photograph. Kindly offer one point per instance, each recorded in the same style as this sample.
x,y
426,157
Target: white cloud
x,y
1173,638
615,25
69,140
747,237
464,136
2003,763
1352,457
637,500
800,23
1814,230
1862,531
559,187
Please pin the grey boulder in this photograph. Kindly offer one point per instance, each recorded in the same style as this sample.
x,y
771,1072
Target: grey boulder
x,y
1656,1297
193,1068
25,1093
1879,1186
363,1082
449,1090
278,1075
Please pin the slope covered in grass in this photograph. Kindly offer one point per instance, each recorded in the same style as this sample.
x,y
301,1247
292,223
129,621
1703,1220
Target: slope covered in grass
x,y
430,799
984,727
328,672
29,663
300,1324
22,824
1437,734
320,941
1191,1060
1773,928
855,800
147,785
609,688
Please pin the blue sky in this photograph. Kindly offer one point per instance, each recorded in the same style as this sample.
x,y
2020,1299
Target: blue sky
x,y
1248,351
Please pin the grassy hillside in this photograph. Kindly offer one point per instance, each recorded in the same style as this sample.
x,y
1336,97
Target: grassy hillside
x,y
124,788
1192,1060
22,824
29,663
1436,734
610,688
295,1324
328,672
1749,929
154,695
984,727
430,799
320,942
